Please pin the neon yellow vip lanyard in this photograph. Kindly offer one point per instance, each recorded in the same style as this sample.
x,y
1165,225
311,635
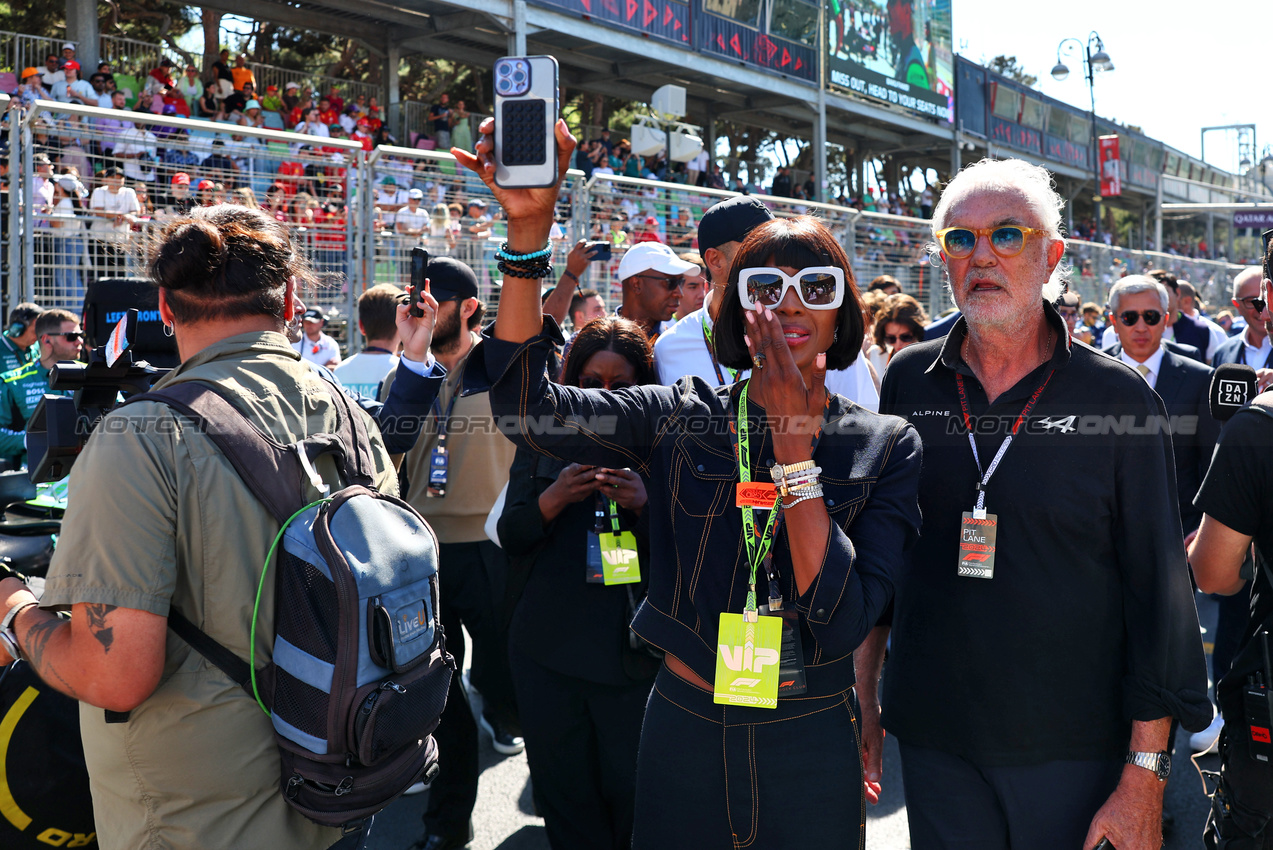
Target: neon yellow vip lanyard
x,y
756,549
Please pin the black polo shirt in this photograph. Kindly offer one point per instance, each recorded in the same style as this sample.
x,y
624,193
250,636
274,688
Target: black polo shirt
x,y
1089,621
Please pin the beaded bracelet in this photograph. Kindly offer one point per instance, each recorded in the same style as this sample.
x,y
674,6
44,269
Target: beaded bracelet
x,y
503,254
534,273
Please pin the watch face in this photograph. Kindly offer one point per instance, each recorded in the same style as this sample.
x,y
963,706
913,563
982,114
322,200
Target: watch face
x,y
1164,765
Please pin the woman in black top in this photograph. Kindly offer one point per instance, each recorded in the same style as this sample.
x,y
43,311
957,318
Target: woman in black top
x,y
717,770
581,683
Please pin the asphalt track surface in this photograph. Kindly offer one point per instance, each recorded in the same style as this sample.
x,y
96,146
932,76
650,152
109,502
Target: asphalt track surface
x,y
504,818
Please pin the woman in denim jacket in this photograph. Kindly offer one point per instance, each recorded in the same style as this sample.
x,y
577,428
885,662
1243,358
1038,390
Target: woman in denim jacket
x,y
713,775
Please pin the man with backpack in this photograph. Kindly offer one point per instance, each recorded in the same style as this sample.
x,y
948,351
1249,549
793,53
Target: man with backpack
x,y
166,527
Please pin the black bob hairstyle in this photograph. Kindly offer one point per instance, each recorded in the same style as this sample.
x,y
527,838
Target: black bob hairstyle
x,y
610,333
799,243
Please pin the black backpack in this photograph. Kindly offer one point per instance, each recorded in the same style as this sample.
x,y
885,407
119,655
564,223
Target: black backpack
x,y
360,671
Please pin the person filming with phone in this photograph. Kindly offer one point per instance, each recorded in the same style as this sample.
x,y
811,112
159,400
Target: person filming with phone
x,y
751,730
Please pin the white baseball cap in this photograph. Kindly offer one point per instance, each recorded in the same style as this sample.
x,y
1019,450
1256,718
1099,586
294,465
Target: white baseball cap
x,y
653,256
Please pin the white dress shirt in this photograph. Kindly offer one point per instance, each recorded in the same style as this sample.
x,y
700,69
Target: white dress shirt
x,y
1154,364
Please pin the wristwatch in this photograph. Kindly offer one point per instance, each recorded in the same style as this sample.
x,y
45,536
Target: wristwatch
x,y
7,635
1158,763
780,473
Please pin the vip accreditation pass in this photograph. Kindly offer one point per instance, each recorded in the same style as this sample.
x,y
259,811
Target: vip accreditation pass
x,y
977,544
747,661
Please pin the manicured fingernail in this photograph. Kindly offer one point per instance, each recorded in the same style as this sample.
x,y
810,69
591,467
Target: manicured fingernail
x,y
750,320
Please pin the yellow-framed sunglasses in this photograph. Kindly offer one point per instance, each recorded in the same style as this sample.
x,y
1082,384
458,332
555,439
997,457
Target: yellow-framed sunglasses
x,y
1007,240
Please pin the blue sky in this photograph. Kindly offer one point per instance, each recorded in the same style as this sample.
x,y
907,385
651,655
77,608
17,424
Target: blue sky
x,y
1177,69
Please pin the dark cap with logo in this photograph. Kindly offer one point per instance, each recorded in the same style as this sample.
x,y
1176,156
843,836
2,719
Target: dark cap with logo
x,y
450,280
731,221
314,316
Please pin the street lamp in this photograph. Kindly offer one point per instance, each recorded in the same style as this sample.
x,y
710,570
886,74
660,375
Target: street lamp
x,y
1094,59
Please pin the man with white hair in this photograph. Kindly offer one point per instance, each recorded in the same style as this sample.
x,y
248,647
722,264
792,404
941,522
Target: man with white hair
x,y
1043,631
1139,305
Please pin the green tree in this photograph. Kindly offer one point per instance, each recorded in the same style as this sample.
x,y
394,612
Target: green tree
x,y
1012,69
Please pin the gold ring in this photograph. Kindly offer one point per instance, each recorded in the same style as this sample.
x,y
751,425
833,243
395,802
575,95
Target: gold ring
x,y
758,361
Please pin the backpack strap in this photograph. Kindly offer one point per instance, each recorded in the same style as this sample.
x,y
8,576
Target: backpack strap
x,y
229,663
275,473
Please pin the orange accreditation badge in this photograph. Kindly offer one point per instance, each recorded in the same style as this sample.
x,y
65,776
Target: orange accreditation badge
x,y
756,494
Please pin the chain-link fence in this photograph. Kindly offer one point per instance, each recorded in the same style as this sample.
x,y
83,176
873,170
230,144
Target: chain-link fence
x,y
103,182
356,215
425,198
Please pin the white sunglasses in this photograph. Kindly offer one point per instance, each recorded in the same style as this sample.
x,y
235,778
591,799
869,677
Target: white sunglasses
x,y
819,287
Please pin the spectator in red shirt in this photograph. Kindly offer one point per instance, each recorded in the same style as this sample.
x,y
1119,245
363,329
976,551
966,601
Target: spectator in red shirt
x,y
326,113
648,231
337,103
163,74
173,98
362,135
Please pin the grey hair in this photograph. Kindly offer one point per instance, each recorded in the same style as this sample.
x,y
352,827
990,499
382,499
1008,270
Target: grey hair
x,y
1032,182
1133,284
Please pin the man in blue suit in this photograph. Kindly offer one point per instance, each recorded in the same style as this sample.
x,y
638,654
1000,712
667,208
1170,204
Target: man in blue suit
x,y
1252,346
1139,304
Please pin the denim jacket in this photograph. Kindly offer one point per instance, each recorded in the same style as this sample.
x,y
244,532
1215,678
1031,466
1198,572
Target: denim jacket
x,y
679,438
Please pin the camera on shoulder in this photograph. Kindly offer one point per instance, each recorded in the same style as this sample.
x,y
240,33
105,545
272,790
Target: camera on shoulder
x,y
61,425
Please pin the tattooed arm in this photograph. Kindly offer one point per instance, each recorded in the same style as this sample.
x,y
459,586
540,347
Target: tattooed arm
x,y
105,656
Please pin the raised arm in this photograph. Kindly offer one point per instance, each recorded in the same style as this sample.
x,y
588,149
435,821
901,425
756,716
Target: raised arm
x,y
530,220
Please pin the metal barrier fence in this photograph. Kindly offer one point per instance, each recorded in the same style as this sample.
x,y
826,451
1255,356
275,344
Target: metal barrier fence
x,y
350,222
20,50
443,219
418,126
126,184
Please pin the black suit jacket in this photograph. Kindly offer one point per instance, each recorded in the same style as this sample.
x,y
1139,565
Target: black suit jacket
x,y
1183,385
1191,330
1233,350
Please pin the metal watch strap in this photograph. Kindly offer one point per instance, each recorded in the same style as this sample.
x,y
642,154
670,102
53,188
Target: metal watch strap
x,y
779,471
1157,763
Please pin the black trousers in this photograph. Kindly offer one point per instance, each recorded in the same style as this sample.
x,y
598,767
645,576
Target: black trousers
x,y
716,777
471,578
954,804
581,743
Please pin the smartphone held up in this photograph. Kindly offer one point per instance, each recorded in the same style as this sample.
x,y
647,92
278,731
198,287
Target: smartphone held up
x,y
525,117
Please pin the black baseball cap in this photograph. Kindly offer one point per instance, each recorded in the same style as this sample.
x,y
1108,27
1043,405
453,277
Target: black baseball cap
x,y
316,315
730,221
450,280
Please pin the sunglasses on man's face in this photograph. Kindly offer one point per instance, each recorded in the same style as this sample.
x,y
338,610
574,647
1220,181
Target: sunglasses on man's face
x,y
819,287
669,282
1007,241
1131,317
1256,304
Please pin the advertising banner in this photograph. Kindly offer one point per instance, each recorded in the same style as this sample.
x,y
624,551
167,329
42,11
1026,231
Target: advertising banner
x,y
740,42
660,18
1259,219
1111,173
895,51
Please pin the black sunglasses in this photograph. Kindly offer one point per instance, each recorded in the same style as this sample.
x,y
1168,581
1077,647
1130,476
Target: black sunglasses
x,y
907,338
670,282
1131,317
71,336
1256,304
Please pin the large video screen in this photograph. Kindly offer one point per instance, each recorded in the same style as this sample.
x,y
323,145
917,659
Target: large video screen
x,y
894,51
